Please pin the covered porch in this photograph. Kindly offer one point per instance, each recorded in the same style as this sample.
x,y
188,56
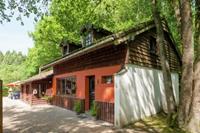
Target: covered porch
x,y
37,89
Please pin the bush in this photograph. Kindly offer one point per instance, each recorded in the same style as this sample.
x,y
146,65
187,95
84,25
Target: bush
x,y
47,98
77,107
94,111
5,91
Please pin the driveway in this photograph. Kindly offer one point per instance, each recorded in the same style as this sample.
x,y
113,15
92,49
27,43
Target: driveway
x,y
19,117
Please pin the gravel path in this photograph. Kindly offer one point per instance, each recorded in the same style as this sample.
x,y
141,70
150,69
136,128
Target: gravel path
x,y
19,117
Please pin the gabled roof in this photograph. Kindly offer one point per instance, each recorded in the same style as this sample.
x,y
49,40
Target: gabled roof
x,y
114,39
39,76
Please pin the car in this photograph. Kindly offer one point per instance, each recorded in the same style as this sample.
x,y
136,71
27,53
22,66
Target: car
x,y
16,95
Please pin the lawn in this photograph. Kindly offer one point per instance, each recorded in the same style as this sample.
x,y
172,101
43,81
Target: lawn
x,y
155,124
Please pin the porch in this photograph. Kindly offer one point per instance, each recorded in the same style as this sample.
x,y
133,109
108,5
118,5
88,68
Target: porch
x,y
37,89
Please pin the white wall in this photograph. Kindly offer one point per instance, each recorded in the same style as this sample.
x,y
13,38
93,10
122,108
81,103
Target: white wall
x,y
139,92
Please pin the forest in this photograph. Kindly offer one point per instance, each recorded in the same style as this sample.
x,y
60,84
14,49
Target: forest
x,y
62,19
12,66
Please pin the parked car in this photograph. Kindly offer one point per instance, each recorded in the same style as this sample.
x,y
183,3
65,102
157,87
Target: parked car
x,y
16,95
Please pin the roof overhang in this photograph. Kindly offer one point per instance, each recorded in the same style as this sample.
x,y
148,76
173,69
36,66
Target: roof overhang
x,y
40,76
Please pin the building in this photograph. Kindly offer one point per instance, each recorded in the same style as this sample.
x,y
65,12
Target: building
x,y
121,72
35,88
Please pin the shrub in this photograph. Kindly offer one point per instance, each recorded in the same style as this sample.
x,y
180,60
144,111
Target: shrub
x,y
77,107
5,91
47,98
94,111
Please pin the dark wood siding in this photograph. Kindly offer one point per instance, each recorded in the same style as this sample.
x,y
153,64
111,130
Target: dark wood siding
x,y
107,56
106,111
139,52
67,102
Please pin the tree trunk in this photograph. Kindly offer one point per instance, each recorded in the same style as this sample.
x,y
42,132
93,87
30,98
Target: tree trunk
x,y
194,121
187,63
163,60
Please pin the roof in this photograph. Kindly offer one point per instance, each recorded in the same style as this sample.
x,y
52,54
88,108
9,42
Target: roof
x,y
39,76
114,39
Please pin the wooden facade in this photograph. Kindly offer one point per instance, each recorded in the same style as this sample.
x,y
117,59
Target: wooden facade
x,y
94,68
140,54
108,56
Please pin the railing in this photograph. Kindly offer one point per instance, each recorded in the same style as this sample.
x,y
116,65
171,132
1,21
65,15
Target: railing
x,y
67,102
106,111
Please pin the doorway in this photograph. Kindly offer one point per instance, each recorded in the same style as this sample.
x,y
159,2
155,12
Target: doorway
x,y
91,86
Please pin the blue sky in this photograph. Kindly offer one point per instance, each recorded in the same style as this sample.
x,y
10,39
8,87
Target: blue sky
x,y
14,36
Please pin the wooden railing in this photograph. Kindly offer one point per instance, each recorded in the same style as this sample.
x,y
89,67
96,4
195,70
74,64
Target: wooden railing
x,y
67,102
106,111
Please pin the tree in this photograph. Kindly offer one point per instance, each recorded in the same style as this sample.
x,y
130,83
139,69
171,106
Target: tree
x,y
164,61
22,8
187,63
12,66
194,120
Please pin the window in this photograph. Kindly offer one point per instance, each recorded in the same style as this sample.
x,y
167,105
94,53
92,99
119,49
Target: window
x,y
152,46
107,79
88,39
67,86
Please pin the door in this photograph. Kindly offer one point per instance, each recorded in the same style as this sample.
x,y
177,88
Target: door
x,y
91,90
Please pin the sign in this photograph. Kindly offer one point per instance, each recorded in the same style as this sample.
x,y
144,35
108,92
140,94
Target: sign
x,y
35,91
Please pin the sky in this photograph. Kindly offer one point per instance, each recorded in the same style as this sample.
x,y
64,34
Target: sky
x,y
14,36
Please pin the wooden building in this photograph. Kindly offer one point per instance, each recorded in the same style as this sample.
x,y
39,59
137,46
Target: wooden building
x,y
35,88
94,72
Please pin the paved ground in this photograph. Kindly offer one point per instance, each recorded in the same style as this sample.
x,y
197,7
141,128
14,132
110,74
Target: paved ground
x,y
19,117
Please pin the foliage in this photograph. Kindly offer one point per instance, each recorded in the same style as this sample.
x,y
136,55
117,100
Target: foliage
x,y
47,36
94,109
20,8
5,91
47,98
78,107
12,66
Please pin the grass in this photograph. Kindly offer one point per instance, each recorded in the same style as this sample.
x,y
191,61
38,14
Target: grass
x,y
155,124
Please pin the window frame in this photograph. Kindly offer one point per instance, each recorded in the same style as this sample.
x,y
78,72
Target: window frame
x,y
104,79
62,88
153,49
88,39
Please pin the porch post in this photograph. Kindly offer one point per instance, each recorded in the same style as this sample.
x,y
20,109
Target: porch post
x,y
30,93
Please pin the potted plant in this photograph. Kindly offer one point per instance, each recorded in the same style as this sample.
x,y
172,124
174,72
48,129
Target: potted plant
x,y
77,107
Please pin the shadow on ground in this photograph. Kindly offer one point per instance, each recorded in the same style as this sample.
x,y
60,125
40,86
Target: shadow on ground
x,y
49,119
20,118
